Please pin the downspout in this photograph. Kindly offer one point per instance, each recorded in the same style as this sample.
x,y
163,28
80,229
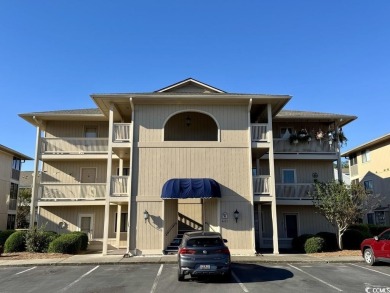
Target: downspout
x,y
251,177
130,177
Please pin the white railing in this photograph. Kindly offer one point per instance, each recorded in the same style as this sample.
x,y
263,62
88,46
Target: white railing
x,y
74,145
121,132
119,185
54,191
259,132
261,184
314,146
294,191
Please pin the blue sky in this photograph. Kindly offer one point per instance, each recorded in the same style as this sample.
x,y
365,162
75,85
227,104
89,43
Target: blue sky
x,y
331,56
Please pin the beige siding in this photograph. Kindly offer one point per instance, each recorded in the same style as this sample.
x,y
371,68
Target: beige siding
x,y
63,129
211,208
304,170
51,216
191,208
232,120
70,171
170,220
5,184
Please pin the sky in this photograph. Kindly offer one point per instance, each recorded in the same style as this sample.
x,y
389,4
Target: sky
x,y
331,56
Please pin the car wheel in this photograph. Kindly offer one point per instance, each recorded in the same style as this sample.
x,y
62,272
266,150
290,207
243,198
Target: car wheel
x,y
369,256
180,276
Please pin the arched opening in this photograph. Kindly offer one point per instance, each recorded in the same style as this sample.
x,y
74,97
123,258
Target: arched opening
x,y
191,126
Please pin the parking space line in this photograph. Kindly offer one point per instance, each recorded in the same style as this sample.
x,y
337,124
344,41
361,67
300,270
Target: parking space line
x,y
25,271
372,270
74,282
239,282
318,279
156,279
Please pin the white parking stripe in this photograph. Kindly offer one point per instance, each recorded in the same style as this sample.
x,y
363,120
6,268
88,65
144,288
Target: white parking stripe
x,y
156,279
318,279
25,271
379,272
74,282
239,282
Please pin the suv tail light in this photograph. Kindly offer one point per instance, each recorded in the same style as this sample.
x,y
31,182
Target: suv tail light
x,y
186,251
223,251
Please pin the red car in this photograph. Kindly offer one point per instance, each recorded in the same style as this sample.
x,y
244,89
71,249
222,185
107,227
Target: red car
x,y
377,248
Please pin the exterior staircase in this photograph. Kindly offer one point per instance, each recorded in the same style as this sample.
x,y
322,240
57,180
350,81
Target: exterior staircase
x,y
173,247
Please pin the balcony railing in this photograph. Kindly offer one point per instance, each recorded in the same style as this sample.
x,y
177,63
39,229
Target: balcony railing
x,y
68,191
12,204
74,145
121,132
294,191
119,185
261,184
259,132
15,174
314,146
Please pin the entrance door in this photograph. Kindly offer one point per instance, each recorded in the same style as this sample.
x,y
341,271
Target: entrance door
x,y
86,224
291,225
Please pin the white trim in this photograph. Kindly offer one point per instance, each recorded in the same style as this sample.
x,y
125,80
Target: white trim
x,y
192,110
188,81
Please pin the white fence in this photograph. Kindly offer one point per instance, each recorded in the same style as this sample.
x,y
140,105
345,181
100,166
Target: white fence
x,y
74,145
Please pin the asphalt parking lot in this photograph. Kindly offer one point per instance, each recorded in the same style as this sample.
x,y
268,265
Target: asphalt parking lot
x,y
301,277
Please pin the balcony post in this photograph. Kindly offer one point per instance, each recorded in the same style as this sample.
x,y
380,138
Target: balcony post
x,y
34,193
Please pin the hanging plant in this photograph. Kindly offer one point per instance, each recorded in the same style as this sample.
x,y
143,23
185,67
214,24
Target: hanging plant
x,y
294,138
304,136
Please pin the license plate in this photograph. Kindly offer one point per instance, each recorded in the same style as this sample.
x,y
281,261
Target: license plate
x,y
204,267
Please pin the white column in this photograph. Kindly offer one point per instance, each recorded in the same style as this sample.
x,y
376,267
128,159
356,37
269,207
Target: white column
x,y
251,194
118,224
108,181
275,236
35,183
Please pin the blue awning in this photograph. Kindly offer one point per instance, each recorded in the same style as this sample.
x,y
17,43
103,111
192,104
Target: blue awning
x,y
190,188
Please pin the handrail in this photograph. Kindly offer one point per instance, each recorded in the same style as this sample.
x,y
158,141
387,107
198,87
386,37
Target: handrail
x,y
189,221
169,230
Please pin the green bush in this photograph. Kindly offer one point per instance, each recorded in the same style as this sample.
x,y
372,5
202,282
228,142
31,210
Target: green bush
x,y
376,230
84,239
38,240
314,244
4,235
352,238
298,243
16,242
66,243
362,228
331,243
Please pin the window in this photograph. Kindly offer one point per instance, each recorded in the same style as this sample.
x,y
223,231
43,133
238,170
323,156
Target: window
x,y
13,191
370,219
11,222
285,132
123,222
125,171
91,131
353,160
365,156
288,176
369,186
16,164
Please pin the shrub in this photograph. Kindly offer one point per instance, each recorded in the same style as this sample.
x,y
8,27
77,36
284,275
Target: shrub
x,y
16,242
314,244
84,239
352,239
66,243
330,241
376,230
4,235
38,240
362,228
298,243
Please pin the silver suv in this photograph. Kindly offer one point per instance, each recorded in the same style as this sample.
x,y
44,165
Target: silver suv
x,y
203,253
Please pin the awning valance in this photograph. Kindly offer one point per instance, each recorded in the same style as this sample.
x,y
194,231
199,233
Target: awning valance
x,y
190,188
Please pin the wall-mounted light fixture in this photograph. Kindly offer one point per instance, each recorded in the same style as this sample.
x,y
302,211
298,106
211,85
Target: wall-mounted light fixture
x,y
236,214
188,121
146,215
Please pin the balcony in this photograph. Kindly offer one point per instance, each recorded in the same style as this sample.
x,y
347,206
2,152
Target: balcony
x,y
69,191
119,185
121,132
314,146
259,132
294,191
261,185
73,145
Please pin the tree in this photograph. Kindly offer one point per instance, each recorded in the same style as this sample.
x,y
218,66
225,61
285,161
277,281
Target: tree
x,y
23,210
341,205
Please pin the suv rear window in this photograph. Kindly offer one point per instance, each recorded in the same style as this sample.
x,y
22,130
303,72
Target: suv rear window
x,y
204,242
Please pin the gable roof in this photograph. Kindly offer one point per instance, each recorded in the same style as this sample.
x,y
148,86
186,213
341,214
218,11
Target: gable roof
x,y
14,153
366,145
190,85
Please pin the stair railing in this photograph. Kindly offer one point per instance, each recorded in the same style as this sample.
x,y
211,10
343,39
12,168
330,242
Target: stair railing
x,y
170,229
